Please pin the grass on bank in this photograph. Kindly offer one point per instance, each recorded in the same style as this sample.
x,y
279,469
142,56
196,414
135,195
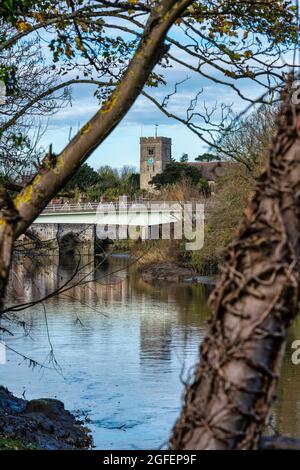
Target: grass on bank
x,y
8,443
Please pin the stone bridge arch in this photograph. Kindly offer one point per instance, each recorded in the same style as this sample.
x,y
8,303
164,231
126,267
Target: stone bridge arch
x,y
76,237
65,237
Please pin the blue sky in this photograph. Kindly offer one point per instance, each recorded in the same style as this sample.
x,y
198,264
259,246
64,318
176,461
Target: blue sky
x,y
122,146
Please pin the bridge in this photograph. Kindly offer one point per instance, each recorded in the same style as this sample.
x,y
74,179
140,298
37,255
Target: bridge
x,y
86,223
141,213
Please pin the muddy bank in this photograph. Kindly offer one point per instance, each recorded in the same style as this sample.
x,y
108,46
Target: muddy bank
x,y
171,272
40,424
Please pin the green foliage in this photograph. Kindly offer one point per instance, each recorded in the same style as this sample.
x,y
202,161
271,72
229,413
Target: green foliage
x,y
249,143
108,177
154,80
10,10
113,183
93,193
106,183
206,157
8,443
85,177
232,192
16,148
233,189
275,19
175,172
8,76
184,158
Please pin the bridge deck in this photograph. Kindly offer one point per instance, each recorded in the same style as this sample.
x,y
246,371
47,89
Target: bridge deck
x,y
134,214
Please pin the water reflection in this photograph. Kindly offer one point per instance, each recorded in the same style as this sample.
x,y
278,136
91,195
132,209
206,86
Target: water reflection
x,y
122,345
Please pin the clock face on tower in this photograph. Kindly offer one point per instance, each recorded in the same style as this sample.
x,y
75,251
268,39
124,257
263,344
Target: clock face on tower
x,y
150,161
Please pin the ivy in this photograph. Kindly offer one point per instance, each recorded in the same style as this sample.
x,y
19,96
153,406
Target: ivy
x,y
8,74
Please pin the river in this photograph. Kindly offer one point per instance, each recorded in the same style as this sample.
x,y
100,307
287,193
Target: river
x,y
116,350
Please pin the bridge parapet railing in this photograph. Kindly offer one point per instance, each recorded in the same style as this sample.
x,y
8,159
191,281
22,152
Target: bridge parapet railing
x,y
109,206
71,207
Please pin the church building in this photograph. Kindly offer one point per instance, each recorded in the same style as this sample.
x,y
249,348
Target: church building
x,y
156,153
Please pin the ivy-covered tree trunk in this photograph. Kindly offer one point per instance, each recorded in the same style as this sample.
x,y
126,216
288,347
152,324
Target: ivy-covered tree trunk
x,y
229,401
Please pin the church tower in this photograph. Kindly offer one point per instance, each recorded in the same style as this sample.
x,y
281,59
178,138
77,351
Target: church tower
x,y
155,155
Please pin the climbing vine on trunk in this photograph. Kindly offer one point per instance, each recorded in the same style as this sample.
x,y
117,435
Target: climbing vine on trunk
x,y
229,400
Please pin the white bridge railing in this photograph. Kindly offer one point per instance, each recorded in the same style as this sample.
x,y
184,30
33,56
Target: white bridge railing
x,y
86,207
107,206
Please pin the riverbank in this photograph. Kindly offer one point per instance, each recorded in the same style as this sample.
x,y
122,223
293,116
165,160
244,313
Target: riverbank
x,y
39,424
172,272
168,260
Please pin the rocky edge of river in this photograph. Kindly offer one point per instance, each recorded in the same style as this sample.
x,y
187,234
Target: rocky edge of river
x,y
39,424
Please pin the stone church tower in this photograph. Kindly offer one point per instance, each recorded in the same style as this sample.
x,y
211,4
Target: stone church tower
x,y
155,155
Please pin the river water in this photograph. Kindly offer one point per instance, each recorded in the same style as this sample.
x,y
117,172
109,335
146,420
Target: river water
x,y
116,350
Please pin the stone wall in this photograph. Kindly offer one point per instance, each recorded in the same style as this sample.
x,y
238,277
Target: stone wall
x,y
80,237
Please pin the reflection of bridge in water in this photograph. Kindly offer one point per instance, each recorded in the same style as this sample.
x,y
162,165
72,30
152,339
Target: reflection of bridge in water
x,y
110,291
86,223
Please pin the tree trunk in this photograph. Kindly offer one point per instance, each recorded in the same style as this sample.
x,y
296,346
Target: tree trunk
x,y
227,404
57,170
8,223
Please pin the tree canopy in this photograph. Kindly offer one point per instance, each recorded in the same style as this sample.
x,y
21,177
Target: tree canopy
x,y
206,157
229,44
85,177
178,171
127,48
106,182
115,46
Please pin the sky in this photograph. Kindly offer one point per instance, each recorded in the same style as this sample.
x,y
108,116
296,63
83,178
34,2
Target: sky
x,y
121,147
